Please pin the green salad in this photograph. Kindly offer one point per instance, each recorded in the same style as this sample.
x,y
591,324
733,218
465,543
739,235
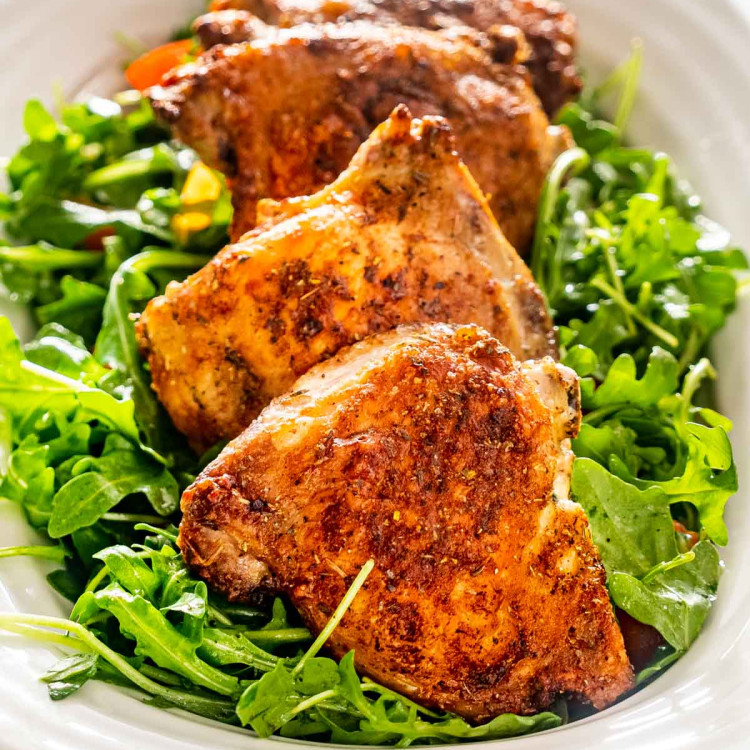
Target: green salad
x,y
99,217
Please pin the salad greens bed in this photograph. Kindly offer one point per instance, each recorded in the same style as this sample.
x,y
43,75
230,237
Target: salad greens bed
x,y
101,218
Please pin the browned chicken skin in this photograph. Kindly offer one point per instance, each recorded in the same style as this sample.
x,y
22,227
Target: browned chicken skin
x,y
431,450
404,235
283,115
550,30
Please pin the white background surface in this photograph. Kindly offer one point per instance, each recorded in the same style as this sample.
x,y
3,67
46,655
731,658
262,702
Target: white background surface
x,y
694,104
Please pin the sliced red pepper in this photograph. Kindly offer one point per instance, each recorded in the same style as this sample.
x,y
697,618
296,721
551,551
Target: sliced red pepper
x,y
692,537
149,69
95,240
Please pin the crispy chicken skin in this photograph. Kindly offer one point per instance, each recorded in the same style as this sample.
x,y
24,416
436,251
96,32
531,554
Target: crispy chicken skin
x,y
550,30
431,450
404,235
283,115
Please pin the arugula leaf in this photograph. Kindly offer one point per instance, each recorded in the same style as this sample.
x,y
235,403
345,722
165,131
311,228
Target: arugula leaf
x,y
74,184
190,604
68,223
30,481
98,484
647,575
624,257
581,359
265,703
664,657
622,386
79,309
44,257
38,123
113,667
317,675
127,567
379,722
67,584
70,674
116,345
54,348
122,182
277,696
706,487
640,430
25,386
613,439
633,529
675,602
223,647
160,641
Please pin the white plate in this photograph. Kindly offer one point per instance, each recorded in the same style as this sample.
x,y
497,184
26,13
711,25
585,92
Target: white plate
x,y
695,104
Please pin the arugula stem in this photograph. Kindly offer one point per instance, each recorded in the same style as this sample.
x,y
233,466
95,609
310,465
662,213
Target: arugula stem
x,y
132,45
691,349
602,411
134,518
42,551
627,306
37,258
572,162
161,675
630,87
228,650
217,615
287,635
102,616
93,584
696,374
85,640
611,82
344,605
313,700
370,685
152,529
654,669
43,636
610,253
656,185
666,565
122,170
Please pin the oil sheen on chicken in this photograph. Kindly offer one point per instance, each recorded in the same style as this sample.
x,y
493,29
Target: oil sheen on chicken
x,y
550,30
283,115
404,235
432,451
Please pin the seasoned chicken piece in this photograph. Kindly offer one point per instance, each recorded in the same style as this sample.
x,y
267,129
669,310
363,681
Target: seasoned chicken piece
x,y
283,115
550,30
431,450
230,27
404,235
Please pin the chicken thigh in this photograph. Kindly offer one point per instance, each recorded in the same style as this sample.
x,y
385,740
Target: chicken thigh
x,y
404,235
282,116
550,30
432,451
